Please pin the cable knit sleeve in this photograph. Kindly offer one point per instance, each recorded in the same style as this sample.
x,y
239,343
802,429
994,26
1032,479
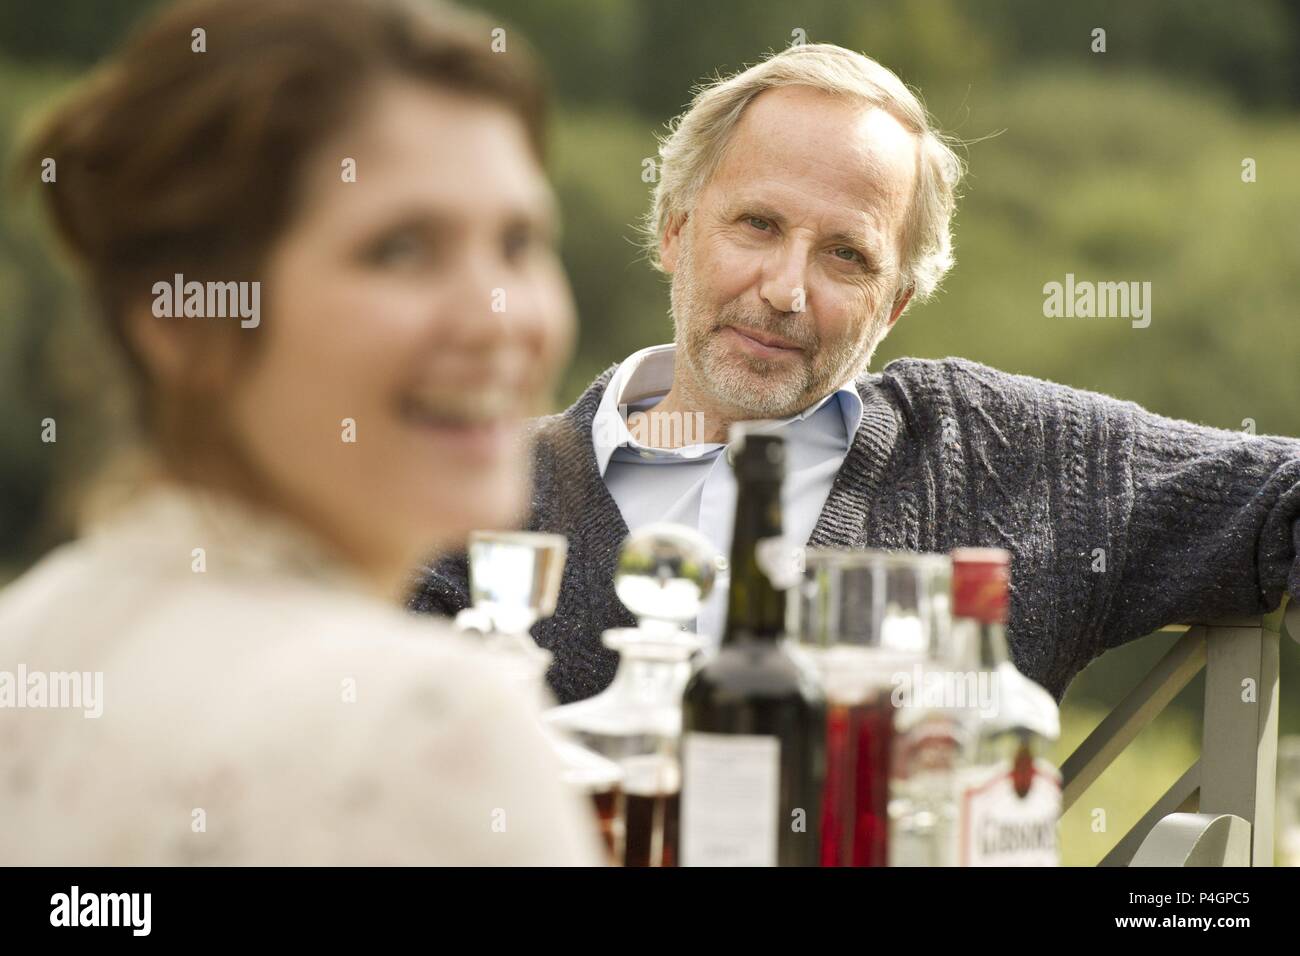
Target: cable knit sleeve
x,y
1213,523
1119,521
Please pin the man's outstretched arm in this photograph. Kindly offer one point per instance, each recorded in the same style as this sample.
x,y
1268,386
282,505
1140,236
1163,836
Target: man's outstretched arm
x,y
1213,525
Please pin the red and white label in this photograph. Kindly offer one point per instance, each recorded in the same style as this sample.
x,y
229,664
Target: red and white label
x,y
999,827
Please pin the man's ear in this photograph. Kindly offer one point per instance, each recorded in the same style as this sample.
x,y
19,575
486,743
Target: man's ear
x,y
669,242
900,303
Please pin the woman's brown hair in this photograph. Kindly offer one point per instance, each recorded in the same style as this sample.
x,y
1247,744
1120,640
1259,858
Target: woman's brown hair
x,y
173,160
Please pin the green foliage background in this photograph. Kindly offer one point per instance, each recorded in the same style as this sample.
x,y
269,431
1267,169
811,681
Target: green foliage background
x,y
1123,165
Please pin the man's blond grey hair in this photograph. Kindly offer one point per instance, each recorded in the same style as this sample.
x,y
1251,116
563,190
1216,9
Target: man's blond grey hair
x,y
691,152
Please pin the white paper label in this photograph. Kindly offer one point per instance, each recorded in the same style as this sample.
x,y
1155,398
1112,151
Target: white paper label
x,y
731,787
997,827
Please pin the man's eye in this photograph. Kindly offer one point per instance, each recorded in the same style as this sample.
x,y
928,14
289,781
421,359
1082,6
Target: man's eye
x,y
846,254
758,223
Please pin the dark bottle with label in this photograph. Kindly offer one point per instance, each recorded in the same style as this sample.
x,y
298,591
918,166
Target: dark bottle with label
x,y
753,721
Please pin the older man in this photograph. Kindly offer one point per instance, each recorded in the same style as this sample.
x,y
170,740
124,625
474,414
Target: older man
x,y
802,205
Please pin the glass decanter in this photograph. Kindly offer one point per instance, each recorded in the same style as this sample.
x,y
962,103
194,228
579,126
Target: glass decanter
x,y
514,583
664,574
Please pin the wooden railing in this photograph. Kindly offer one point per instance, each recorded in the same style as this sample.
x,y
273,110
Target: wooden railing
x,y
1220,811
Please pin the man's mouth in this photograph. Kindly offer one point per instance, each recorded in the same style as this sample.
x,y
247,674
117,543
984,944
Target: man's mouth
x,y
761,344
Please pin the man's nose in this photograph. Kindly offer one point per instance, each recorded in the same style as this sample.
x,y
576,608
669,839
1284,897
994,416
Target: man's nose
x,y
784,274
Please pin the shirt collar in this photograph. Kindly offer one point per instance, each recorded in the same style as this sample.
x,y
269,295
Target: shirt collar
x,y
648,374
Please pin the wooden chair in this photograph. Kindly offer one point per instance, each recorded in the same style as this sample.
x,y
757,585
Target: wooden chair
x,y
1220,811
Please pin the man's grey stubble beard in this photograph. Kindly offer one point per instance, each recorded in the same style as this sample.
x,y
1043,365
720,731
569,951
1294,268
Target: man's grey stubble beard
x,y
760,389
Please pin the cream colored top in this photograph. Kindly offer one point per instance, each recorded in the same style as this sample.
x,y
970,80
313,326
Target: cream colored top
x,y
257,707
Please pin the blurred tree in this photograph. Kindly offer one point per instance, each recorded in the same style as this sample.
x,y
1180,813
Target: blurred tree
x,y
1126,178
67,31
586,44
1251,49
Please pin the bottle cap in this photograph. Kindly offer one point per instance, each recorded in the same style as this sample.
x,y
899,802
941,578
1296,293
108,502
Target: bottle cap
x,y
981,579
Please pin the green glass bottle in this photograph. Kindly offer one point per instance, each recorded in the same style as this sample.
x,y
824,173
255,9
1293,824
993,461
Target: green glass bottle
x,y
753,721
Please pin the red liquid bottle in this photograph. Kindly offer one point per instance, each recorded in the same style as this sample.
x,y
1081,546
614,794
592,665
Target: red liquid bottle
x,y
859,740
864,618
873,733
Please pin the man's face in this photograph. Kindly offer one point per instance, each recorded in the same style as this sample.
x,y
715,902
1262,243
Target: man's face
x,y
786,270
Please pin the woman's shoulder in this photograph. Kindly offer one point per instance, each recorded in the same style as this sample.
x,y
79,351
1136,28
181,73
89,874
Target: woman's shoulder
x,y
53,584
307,724
138,614
359,734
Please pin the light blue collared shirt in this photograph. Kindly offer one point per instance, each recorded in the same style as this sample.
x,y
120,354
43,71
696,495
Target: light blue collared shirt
x,y
694,485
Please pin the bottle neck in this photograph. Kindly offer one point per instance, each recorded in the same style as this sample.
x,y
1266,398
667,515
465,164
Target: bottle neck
x,y
755,607
983,644
650,679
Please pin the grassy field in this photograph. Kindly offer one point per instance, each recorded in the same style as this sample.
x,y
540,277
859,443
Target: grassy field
x,y
1155,760
1135,781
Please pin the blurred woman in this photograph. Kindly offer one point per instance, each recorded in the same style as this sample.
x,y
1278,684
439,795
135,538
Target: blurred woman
x,y
320,235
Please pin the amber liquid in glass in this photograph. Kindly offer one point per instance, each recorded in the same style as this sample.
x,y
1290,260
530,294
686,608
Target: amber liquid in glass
x,y
652,829
652,804
609,819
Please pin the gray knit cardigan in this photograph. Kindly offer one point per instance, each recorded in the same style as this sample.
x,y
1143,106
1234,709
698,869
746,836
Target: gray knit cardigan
x,y
1190,521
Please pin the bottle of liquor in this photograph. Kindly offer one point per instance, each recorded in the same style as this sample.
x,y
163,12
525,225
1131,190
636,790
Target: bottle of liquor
x,y
665,572
866,619
1008,794
753,722
929,724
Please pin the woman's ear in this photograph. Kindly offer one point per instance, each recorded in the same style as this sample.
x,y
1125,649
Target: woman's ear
x,y
158,343
180,353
